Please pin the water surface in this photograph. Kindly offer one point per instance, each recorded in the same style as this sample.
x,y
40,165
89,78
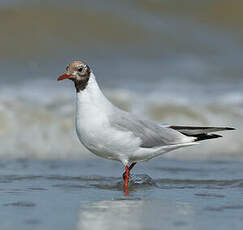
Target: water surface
x,y
163,194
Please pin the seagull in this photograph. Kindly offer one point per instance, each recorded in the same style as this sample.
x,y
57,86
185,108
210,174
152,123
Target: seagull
x,y
114,134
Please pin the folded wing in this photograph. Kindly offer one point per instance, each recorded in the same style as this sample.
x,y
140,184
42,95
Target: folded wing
x,y
150,133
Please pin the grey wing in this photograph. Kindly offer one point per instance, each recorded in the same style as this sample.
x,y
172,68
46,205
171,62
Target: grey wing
x,y
150,133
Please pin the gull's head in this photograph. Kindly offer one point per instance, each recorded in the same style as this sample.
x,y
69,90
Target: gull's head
x,y
79,73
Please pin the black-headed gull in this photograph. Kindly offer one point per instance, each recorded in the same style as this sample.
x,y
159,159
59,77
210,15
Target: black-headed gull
x,y
112,133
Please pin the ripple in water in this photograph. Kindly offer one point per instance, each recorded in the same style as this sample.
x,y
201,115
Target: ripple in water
x,y
21,204
222,208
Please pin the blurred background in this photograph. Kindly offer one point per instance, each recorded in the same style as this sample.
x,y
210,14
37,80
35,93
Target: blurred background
x,y
173,61
177,62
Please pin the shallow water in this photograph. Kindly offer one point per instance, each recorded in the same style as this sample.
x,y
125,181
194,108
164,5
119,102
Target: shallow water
x,y
163,194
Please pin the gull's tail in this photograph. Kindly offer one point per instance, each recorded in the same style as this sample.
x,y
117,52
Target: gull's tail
x,y
201,133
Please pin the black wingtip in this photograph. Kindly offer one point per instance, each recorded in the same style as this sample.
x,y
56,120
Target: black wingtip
x,y
229,128
202,137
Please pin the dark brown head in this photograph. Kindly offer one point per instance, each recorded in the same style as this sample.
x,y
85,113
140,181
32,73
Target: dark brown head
x,y
79,73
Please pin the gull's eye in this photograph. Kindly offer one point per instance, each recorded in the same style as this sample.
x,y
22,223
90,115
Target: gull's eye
x,y
80,69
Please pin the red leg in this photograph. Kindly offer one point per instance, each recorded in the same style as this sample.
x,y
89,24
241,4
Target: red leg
x,y
126,180
130,168
126,177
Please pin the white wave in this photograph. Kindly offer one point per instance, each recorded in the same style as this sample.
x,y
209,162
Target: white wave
x,y
39,121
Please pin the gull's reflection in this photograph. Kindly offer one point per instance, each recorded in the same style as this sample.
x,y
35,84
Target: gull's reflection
x,y
135,214
105,215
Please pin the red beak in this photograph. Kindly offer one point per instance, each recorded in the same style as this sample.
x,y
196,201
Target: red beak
x,y
64,76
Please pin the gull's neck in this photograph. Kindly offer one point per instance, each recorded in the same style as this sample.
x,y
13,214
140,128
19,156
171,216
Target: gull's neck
x,y
92,97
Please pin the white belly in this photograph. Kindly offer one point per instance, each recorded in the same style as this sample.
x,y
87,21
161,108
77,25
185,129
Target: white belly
x,y
99,137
